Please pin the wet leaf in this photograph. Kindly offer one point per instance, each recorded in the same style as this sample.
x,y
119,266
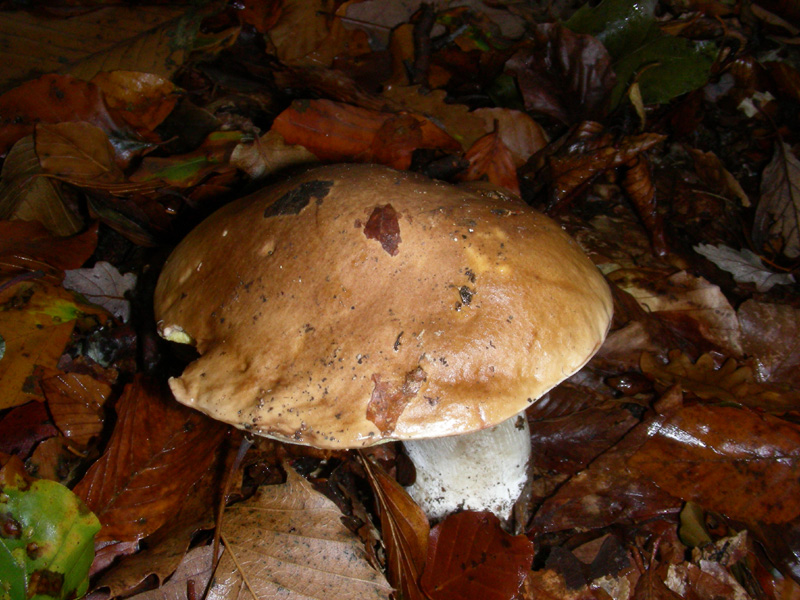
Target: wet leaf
x,y
734,461
744,265
289,539
157,452
103,285
777,220
23,427
490,160
142,100
664,66
771,336
405,531
470,547
48,537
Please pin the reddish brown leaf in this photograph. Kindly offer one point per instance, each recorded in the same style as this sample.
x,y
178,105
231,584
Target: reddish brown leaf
x,y
76,403
28,246
405,531
730,460
142,100
638,183
23,427
50,99
490,160
471,557
158,450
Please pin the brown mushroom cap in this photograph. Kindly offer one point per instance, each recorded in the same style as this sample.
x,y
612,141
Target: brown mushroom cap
x,y
355,304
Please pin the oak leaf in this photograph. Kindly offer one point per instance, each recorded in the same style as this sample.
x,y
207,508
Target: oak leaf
x,y
288,542
103,285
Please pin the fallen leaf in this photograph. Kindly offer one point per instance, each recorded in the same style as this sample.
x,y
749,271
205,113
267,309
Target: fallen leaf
x,y
191,577
405,531
76,152
27,246
729,383
23,427
36,322
157,452
27,195
517,130
490,160
733,461
565,75
269,154
663,65
744,265
76,402
142,100
103,285
288,541
471,557
777,219
771,337
153,39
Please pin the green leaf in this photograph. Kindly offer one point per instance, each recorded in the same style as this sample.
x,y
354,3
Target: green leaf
x,y
665,66
46,539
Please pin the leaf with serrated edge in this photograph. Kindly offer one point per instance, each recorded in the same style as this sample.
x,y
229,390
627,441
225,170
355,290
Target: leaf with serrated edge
x,y
288,542
744,265
103,285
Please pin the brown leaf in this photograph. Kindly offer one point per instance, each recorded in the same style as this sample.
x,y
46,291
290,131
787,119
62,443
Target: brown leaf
x,y
269,154
517,130
638,183
289,540
26,195
729,383
471,557
76,152
158,450
733,461
777,219
76,402
565,75
405,531
23,427
771,337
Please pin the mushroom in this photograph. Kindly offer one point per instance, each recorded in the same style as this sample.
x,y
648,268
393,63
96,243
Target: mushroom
x,y
354,305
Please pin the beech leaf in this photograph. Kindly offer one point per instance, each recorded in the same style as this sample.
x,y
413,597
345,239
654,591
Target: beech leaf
x,y
744,265
76,151
76,402
288,542
470,557
103,285
777,216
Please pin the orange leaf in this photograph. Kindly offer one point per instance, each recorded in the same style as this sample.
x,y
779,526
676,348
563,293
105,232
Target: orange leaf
x,y
76,402
28,246
490,159
143,100
470,557
50,99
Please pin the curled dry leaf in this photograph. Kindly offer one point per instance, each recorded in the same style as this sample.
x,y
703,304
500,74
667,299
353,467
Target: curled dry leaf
x,y
288,542
470,557
777,220
734,461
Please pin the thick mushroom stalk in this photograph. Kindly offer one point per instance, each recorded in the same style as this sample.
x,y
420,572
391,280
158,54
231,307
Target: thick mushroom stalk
x,y
482,471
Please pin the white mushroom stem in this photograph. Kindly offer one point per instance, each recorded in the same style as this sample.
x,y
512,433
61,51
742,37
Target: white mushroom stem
x,y
482,471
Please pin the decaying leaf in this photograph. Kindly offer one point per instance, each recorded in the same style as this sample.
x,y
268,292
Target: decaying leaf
x,y
468,547
103,285
288,542
744,265
777,219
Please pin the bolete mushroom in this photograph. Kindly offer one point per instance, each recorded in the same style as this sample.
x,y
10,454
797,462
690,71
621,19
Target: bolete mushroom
x,y
354,305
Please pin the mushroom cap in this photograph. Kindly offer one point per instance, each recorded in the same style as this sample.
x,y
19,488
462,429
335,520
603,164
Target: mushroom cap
x,y
355,304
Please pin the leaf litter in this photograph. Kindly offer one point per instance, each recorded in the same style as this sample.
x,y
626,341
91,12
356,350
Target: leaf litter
x,y
666,149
